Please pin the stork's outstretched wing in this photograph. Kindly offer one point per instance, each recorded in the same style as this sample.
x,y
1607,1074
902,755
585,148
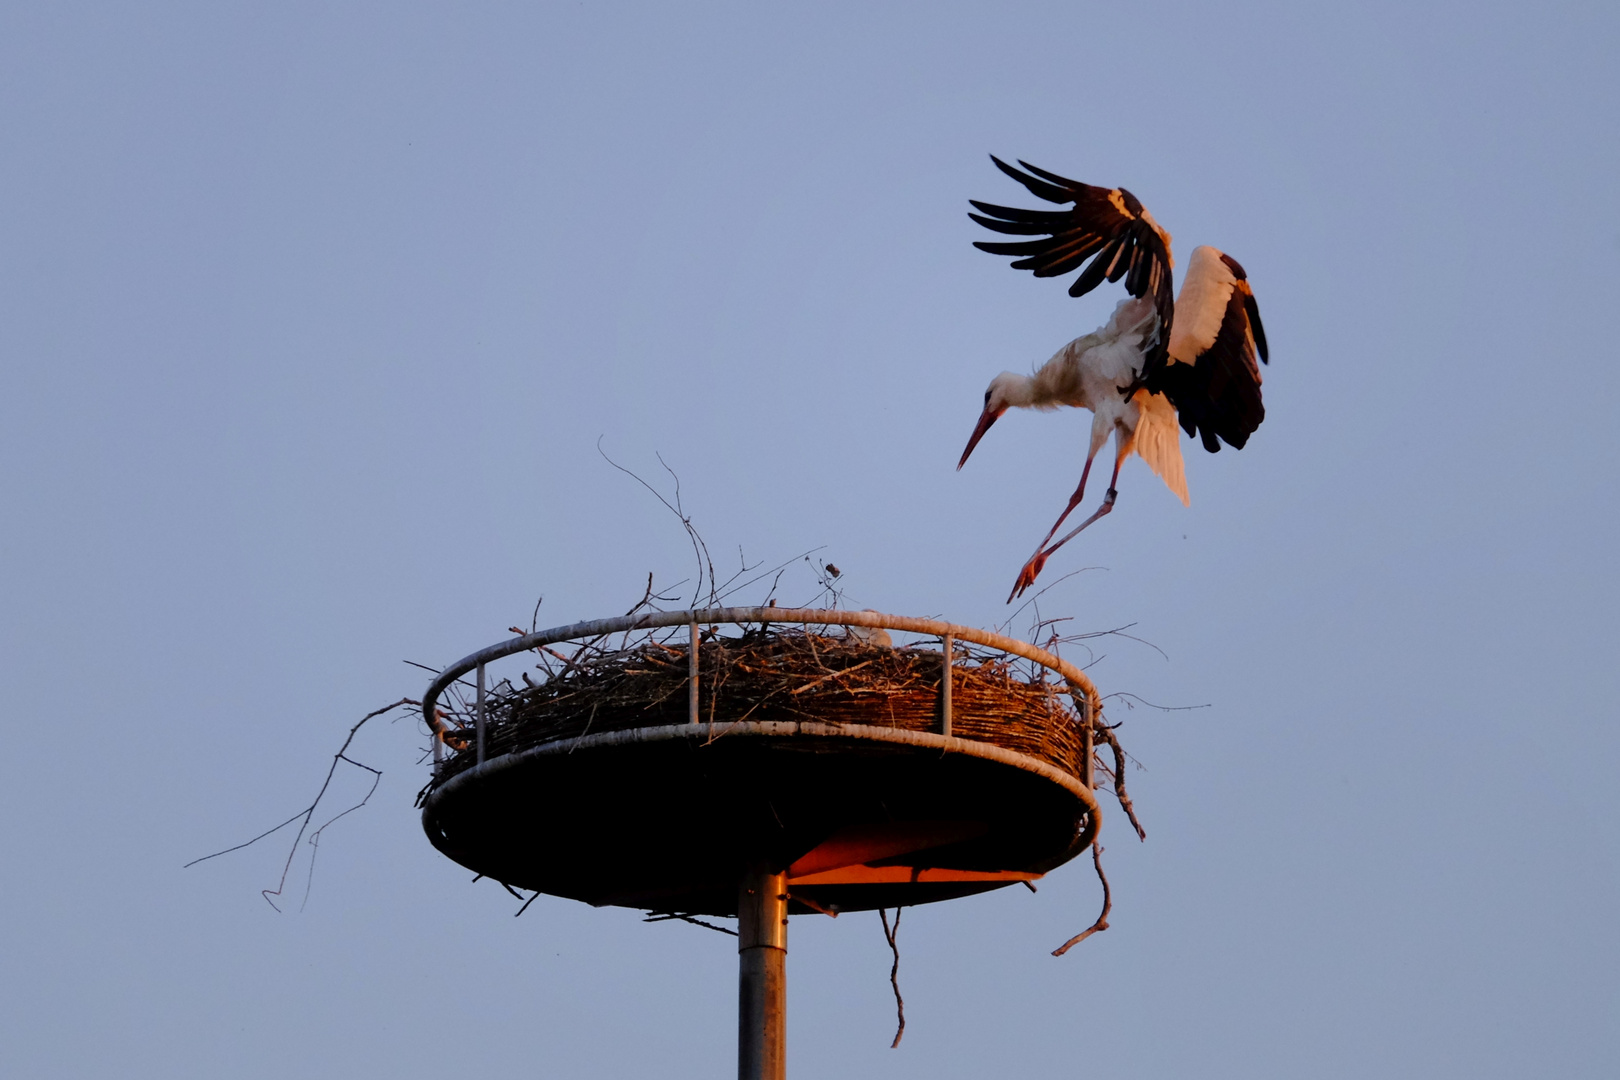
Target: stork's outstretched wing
x,y
1107,225
1211,377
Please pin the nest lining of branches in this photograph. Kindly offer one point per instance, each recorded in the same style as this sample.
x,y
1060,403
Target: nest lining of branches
x,y
777,673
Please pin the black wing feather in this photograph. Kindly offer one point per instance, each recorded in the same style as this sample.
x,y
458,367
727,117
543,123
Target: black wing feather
x,y
1012,228
1061,181
1018,213
1104,225
1122,261
1058,263
1252,306
1056,194
1093,275
1019,248
1136,278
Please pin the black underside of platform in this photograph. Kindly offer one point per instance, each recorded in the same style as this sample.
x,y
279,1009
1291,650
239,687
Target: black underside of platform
x,y
670,825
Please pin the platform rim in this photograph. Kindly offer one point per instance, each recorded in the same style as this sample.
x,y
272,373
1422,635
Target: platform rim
x,y
782,729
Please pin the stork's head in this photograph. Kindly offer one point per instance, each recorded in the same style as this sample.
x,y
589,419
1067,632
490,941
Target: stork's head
x,y
1005,389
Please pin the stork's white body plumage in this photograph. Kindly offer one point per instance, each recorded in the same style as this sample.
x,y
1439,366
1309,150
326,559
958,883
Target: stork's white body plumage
x,y
1158,364
1087,373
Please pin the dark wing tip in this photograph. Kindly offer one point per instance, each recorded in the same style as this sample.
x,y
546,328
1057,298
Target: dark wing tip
x,y
1052,176
1253,308
1037,187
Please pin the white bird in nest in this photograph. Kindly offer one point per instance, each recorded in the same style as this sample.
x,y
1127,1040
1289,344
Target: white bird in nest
x,y
868,635
1158,362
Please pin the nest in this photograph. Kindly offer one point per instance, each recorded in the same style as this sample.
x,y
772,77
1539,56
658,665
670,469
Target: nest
x,y
780,674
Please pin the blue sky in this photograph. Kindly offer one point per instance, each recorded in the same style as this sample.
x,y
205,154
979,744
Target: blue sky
x,y
312,315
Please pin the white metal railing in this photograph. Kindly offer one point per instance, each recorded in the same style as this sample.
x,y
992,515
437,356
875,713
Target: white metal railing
x,y
1081,688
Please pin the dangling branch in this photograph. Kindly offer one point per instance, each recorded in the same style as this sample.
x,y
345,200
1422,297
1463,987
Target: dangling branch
x,y
894,972
315,837
308,813
1108,905
1106,734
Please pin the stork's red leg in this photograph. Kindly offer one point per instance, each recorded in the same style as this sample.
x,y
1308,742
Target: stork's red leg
x,y
1074,501
1038,560
1032,569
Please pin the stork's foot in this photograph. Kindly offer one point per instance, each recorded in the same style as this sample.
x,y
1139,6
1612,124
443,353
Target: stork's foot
x,y
1027,576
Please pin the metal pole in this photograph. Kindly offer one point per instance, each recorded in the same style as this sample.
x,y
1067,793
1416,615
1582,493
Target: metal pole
x,y
480,714
762,975
945,690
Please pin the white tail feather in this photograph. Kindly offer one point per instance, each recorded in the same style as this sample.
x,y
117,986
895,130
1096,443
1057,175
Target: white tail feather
x,y
1158,442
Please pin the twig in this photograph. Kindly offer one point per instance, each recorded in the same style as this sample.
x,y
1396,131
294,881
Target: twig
x,y
436,671
700,550
894,972
742,568
1162,708
1047,588
1108,905
315,837
817,682
308,813
697,537
526,904
777,570
667,916
1120,632
646,596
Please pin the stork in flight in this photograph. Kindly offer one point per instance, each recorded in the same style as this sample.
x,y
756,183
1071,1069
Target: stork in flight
x,y
1146,370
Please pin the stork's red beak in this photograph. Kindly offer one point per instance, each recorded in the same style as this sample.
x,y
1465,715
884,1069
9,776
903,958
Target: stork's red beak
x,y
986,418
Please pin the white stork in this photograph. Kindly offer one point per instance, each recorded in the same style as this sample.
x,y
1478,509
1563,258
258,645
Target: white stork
x,y
1145,370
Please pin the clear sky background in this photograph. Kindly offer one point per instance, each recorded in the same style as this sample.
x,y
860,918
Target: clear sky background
x,y
312,314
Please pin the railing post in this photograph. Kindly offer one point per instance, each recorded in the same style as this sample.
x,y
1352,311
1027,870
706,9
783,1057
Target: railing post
x,y
945,688
692,676
480,714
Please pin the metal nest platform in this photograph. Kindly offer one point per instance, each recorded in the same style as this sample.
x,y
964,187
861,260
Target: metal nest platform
x,y
851,806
